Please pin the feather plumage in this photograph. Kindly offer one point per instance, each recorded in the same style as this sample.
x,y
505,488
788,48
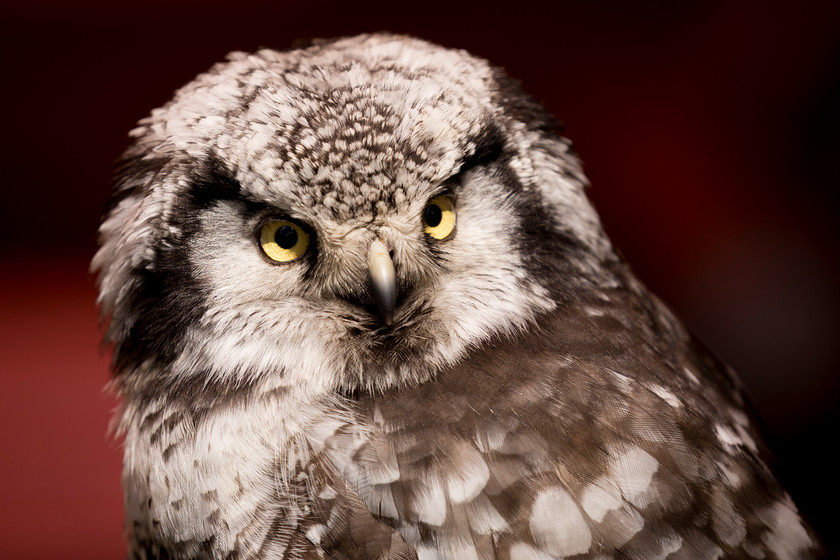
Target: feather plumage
x,y
528,399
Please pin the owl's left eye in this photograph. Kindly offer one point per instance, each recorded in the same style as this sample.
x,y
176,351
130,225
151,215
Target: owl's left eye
x,y
283,240
439,218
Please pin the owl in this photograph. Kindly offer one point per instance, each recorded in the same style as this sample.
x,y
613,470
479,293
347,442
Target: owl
x,y
360,307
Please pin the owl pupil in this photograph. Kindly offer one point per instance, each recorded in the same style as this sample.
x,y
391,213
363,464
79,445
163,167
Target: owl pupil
x,y
432,215
286,237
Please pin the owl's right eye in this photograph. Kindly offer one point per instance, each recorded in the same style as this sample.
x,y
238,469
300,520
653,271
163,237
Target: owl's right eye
x,y
439,218
283,240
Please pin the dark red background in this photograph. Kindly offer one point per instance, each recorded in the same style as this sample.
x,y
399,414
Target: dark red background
x,y
709,131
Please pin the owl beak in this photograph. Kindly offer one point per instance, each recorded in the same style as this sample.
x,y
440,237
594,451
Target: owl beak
x,y
383,279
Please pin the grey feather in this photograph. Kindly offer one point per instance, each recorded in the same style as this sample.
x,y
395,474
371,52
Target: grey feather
x,y
529,398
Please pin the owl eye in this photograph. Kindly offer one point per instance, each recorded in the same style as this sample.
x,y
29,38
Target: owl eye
x,y
283,241
439,218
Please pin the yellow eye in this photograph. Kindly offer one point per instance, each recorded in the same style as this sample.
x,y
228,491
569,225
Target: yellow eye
x,y
283,241
439,218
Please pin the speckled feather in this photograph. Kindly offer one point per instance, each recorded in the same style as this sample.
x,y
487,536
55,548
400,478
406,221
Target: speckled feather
x,y
592,453
531,400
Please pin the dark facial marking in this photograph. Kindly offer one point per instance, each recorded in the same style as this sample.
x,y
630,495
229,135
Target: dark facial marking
x,y
167,299
489,147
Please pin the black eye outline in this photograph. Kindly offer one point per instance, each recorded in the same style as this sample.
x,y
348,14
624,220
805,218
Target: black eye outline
x,y
440,218
296,240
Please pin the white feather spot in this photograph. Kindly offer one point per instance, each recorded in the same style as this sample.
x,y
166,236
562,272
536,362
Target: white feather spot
x,y
746,437
328,493
470,474
624,382
690,375
738,436
524,551
429,502
381,466
484,518
633,470
599,498
462,550
315,533
425,552
557,525
727,436
665,395
787,537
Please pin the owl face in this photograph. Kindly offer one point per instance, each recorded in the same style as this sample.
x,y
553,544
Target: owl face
x,y
354,215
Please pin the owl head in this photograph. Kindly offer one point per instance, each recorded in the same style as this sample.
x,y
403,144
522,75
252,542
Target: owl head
x,y
354,215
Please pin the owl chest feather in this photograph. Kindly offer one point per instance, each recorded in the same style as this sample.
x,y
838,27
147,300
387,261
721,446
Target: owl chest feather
x,y
576,446
525,450
218,483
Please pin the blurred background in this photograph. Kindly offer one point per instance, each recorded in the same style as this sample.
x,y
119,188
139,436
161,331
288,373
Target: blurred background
x,y
710,132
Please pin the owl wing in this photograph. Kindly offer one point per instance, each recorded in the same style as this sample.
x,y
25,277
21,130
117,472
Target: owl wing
x,y
338,525
320,516
607,432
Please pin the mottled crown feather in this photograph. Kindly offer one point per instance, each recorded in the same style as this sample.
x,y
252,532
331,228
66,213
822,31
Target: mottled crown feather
x,y
347,130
